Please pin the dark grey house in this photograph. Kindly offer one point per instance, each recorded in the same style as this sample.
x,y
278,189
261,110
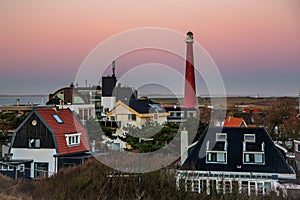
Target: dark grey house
x,y
226,158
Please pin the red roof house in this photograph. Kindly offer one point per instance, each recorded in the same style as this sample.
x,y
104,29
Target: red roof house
x,y
234,122
52,139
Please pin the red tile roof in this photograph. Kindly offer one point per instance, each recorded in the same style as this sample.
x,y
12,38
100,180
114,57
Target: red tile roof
x,y
234,122
70,125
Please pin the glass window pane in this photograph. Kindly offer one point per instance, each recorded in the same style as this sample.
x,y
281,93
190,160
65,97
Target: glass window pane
x,y
247,157
37,143
221,157
258,158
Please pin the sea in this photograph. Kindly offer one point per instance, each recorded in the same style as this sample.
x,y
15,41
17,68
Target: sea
x,y
8,100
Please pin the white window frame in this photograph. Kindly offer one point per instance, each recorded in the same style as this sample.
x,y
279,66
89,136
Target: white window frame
x,y
245,154
130,116
218,139
73,139
208,157
21,167
297,147
10,168
249,140
6,167
36,143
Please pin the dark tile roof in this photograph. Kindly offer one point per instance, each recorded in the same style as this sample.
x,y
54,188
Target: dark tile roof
x,y
54,101
144,106
274,159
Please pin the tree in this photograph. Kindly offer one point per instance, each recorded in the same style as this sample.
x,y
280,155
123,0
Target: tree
x,y
278,113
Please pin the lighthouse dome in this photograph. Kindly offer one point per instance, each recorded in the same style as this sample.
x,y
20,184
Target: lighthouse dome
x,y
189,33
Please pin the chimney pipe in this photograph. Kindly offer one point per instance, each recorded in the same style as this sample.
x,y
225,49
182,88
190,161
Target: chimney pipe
x,y
183,146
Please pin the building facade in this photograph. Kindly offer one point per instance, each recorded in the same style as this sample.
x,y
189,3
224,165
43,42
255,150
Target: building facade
x,y
234,159
50,139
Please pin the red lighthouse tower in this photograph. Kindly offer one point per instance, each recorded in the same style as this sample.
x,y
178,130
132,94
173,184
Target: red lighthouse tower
x,y
190,87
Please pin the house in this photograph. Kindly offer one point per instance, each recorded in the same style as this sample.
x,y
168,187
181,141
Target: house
x,y
137,113
297,153
234,122
179,114
234,159
84,101
49,139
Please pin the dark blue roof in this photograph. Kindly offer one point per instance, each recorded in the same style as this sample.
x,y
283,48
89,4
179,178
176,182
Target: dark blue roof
x,y
144,106
274,159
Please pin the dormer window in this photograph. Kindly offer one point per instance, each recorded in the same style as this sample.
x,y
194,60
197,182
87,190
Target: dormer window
x,y
216,157
249,138
254,158
217,154
73,139
221,137
253,153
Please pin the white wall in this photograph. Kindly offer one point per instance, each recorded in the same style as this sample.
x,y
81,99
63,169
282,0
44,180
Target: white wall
x,y
5,149
108,102
37,155
85,111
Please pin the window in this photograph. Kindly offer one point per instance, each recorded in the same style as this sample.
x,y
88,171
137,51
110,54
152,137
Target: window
x,y
34,143
21,167
191,113
132,117
249,138
3,167
196,186
116,146
57,118
40,169
221,137
254,158
298,147
10,168
260,187
179,114
73,139
6,167
216,157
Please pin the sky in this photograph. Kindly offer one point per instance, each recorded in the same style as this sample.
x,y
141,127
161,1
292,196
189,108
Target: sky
x,y
255,44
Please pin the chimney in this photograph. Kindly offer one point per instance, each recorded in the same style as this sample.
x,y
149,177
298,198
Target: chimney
x,y
93,146
183,146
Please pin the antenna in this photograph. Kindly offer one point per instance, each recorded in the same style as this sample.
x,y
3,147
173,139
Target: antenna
x,y
113,68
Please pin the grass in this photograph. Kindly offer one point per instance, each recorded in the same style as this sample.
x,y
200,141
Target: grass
x,y
96,181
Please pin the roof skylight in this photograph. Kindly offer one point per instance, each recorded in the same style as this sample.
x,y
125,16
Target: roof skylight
x,y
57,118
155,106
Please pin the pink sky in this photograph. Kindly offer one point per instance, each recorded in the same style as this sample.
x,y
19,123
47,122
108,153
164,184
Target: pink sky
x,y
255,44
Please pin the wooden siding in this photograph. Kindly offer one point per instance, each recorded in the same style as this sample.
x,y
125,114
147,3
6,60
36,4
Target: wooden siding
x,y
29,131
